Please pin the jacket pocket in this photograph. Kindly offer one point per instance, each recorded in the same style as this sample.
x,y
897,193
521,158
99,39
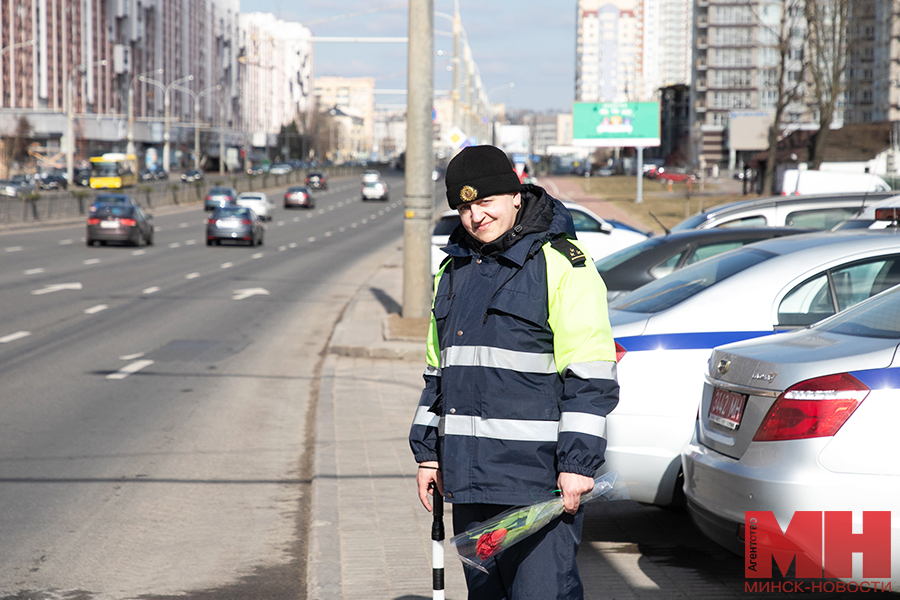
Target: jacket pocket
x,y
520,305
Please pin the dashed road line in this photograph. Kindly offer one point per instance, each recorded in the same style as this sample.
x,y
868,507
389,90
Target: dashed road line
x,y
14,336
226,265
91,261
257,255
175,245
139,253
150,290
193,275
64,242
33,271
95,309
14,248
129,369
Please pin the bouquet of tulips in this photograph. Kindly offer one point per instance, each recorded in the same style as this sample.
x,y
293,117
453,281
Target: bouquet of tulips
x,y
477,545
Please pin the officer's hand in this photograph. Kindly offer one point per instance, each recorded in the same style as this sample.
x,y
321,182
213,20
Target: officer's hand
x,y
572,486
425,477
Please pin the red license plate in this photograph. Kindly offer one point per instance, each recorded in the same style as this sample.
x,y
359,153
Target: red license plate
x,y
727,408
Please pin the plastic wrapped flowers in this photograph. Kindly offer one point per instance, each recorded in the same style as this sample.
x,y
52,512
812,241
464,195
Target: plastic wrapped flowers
x,y
478,545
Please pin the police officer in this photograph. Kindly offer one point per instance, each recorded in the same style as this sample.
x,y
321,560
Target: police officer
x,y
521,373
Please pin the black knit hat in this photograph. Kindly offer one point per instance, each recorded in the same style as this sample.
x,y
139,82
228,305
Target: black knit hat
x,y
478,172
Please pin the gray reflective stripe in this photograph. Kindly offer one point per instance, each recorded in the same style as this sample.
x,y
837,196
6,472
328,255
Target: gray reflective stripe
x,y
498,358
434,371
425,417
601,369
501,429
578,422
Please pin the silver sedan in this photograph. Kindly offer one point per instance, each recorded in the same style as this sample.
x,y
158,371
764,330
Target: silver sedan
x,y
804,421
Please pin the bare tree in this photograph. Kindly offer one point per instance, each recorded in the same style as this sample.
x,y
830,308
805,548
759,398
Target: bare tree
x,y
787,75
829,30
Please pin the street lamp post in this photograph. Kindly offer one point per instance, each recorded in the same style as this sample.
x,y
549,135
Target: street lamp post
x,y
166,89
196,97
509,88
129,149
70,125
4,51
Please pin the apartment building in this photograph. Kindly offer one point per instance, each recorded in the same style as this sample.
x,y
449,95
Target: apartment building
x,y
353,96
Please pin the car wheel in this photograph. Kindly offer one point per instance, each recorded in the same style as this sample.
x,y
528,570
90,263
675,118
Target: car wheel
x,y
89,243
260,240
149,240
209,242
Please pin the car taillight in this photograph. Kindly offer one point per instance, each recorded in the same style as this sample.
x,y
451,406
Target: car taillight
x,y
620,351
93,221
813,408
210,221
208,198
128,222
246,222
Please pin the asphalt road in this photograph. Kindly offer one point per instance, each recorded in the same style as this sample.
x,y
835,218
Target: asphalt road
x,y
153,418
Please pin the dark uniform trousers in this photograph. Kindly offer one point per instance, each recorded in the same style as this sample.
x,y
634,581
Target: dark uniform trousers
x,y
540,567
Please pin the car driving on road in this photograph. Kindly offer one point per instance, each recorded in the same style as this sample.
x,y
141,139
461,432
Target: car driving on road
x,y
119,222
316,181
219,196
234,224
375,190
299,196
257,201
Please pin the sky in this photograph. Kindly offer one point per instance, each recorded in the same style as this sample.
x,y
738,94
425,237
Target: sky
x,y
529,43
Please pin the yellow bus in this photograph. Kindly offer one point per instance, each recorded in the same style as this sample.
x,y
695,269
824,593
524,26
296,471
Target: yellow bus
x,y
113,170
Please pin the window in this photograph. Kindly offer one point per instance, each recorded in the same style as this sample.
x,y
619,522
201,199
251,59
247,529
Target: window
x,y
584,222
819,218
666,267
752,221
710,250
837,289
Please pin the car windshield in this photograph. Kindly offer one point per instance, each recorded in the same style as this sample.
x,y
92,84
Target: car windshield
x,y
692,222
225,212
673,289
446,225
115,210
878,318
617,258
250,198
112,200
220,192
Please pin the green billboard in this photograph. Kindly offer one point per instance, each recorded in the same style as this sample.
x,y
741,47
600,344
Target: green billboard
x,y
615,124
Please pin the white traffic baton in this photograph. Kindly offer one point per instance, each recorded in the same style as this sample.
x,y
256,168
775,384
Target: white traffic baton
x,y
437,545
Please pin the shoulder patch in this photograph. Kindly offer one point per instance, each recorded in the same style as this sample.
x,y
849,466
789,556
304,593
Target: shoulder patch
x,y
565,247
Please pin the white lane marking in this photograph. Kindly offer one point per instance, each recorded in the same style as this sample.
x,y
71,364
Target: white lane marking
x,y
340,203
138,252
64,242
292,245
321,212
281,223
193,275
342,229
56,287
33,271
174,245
91,261
327,234
184,225
373,217
226,265
14,248
331,207
364,221
380,213
352,225
95,309
14,336
309,216
134,356
246,293
310,239
190,242
157,229
257,255
129,369
296,219
282,248
150,290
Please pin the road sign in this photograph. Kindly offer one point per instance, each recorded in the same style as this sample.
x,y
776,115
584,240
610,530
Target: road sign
x,y
615,124
457,137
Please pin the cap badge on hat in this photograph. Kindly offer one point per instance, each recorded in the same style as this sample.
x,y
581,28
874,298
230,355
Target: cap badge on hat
x,y
468,193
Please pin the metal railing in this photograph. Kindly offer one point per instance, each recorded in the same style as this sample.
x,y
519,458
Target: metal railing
x,y
62,206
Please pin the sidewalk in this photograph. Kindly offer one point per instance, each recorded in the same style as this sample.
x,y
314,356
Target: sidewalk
x,y
369,535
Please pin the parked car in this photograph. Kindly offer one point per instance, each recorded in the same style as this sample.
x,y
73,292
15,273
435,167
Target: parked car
x,y
17,186
317,181
259,202
81,177
794,182
600,237
146,175
160,175
52,181
674,174
666,330
658,256
375,190
815,212
219,196
234,223
299,195
802,421
280,169
119,222
192,176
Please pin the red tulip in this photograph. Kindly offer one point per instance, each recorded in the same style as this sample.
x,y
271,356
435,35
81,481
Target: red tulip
x,y
489,543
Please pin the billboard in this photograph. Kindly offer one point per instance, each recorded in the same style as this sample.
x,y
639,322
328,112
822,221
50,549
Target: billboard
x,y
749,130
615,124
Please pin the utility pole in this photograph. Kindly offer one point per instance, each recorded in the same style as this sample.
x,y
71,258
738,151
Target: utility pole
x,y
419,162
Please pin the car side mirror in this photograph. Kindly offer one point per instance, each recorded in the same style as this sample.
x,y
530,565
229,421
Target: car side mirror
x,y
606,228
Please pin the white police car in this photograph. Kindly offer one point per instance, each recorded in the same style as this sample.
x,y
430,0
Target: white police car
x,y
600,237
665,331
